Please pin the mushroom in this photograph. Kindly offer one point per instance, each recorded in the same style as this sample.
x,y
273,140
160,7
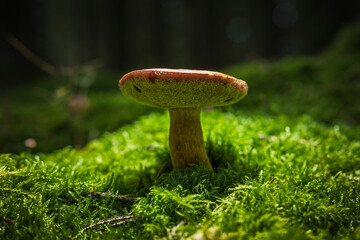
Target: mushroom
x,y
184,92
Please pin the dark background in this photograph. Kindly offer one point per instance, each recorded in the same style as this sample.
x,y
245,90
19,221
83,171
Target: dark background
x,y
299,57
134,34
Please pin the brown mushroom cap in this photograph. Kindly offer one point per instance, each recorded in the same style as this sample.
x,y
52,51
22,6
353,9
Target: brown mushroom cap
x,y
182,88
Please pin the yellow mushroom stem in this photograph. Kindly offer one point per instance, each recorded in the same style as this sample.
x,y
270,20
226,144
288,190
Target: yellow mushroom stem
x,y
186,138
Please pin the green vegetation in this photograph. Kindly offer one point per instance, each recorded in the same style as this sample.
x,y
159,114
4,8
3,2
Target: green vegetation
x,y
275,177
287,163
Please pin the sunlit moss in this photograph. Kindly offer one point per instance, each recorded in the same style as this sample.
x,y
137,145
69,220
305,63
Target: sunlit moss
x,y
274,177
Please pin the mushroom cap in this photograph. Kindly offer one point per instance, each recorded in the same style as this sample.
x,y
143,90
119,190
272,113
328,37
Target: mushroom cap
x,y
182,88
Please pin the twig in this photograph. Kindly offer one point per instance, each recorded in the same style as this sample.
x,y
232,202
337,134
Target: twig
x,y
272,180
120,220
47,67
32,57
117,224
161,170
7,220
117,197
176,228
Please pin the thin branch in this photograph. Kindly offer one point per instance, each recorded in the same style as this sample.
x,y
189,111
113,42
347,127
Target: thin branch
x,y
120,220
47,67
161,170
32,57
7,220
118,197
117,224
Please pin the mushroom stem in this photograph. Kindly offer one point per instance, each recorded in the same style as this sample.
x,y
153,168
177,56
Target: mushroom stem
x,y
186,138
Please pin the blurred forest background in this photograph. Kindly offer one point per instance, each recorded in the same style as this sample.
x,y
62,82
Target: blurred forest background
x,y
61,60
133,34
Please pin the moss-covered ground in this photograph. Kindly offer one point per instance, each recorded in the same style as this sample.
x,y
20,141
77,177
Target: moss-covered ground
x,y
286,158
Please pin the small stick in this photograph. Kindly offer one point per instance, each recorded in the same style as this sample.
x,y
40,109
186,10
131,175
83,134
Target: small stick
x,y
161,170
32,57
117,224
118,197
7,220
124,219
272,180
47,67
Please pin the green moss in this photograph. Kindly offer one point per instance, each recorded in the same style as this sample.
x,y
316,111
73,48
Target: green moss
x,y
274,178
